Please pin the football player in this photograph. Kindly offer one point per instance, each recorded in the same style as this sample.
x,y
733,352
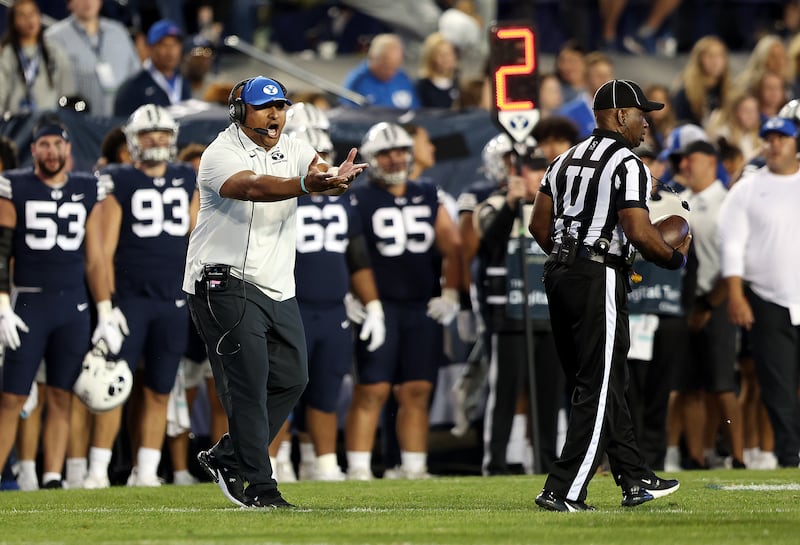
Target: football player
x,y
413,245
50,225
151,208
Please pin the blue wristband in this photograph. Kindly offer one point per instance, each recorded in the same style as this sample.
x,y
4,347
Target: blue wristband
x,y
303,184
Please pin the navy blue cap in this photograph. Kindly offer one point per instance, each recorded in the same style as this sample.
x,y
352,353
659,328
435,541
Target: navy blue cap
x,y
260,91
50,129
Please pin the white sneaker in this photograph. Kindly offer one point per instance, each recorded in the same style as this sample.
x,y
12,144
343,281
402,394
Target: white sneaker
x,y
144,481
765,460
284,472
398,472
335,474
184,478
94,482
27,483
306,471
359,474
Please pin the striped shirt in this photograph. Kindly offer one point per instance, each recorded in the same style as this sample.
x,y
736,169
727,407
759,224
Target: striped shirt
x,y
590,183
112,48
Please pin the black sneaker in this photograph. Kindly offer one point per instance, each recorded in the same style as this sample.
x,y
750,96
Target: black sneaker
x,y
53,484
266,502
648,488
228,481
548,500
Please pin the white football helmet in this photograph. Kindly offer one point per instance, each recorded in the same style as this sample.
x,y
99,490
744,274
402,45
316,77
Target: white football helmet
x,y
493,156
386,136
305,114
103,384
318,139
151,118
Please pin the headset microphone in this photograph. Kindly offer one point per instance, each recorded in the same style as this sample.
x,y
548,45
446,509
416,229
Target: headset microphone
x,y
262,132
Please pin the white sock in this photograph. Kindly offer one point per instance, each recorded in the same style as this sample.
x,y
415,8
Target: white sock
x,y
327,463
147,460
284,451
273,462
99,458
414,462
51,476
76,469
515,451
27,468
307,452
357,459
176,475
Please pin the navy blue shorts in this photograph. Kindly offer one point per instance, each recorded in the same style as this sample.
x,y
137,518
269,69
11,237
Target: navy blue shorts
x,y
159,335
412,351
330,355
59,325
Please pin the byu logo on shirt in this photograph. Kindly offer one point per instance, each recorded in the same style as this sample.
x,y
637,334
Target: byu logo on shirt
x,y
278,156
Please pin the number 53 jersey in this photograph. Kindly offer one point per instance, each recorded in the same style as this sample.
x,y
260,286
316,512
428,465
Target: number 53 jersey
x,y
51,227
154,229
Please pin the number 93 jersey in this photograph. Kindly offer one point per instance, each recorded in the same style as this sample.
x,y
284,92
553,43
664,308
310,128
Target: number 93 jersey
x,y
51,227
323,232
400,234
154,231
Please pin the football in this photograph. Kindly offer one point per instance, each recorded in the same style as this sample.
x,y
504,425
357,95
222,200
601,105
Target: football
x,y
674,229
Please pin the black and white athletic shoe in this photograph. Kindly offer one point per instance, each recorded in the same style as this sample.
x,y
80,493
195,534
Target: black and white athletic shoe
x,y
228,480
548,500
647,488
268,502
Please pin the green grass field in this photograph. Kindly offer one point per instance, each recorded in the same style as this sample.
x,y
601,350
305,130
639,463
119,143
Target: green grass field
x,y
712,507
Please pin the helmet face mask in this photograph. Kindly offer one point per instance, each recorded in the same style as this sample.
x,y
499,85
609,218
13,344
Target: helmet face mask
x,y
149,119
384,137
306,115
103,384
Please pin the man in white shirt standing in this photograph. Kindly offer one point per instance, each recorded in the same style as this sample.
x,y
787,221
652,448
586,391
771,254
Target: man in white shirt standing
x,y
240,280
758,236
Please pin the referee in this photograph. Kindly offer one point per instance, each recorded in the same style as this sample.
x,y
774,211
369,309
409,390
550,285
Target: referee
x,y
592,206
240,280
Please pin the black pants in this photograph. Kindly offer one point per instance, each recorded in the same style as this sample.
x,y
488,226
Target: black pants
x,y
589,316
776,350
260,369
508,376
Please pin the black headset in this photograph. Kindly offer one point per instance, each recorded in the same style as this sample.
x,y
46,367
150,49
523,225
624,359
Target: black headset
x,y
237,107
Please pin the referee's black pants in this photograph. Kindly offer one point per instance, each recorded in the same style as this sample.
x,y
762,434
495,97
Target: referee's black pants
x,y
589,316
260,369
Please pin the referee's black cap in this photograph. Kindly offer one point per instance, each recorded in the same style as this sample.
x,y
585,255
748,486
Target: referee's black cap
x,y
623,93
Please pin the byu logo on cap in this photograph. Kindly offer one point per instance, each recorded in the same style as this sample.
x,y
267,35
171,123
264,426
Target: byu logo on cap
x,y
270,90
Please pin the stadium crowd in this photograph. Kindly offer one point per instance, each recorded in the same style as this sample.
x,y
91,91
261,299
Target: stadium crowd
x,y
714,372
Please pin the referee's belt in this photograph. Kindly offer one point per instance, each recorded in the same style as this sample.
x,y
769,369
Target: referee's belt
x,y
587,252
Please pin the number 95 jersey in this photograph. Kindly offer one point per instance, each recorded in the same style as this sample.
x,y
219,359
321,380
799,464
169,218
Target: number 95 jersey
x,y
154,231
51,227
400,234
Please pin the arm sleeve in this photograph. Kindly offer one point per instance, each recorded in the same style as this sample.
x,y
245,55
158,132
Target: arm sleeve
x,y
732,232
634,184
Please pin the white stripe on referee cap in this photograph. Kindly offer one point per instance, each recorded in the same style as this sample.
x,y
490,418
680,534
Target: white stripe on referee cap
x,y
635,95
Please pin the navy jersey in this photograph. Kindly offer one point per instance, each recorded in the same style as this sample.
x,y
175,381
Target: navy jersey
x,y
48,244
151,253
323,231
400,234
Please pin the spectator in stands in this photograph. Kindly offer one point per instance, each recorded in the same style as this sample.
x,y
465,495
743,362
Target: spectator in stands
x,y
738,122
198,60
34,72
159,82
550,97
644,40
705,82
554,135
438,85
661,121
100,50
113,149
381,78
598,69
571,69
771,95
424,151
769,55
793,51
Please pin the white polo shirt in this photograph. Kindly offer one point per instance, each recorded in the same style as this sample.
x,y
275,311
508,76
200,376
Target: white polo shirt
x,y
230,230
705,207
